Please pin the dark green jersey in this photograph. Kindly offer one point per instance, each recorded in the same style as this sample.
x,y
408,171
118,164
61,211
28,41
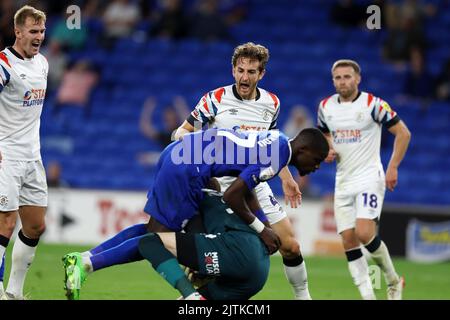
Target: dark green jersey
x,y
218,217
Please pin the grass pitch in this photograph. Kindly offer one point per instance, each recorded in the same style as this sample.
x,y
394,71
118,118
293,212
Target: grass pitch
x,y
329,279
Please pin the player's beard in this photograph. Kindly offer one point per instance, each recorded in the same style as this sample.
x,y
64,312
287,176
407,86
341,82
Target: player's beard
x,y
346,92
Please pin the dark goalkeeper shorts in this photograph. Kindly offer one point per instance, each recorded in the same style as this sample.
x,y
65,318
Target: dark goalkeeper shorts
x,y
237,260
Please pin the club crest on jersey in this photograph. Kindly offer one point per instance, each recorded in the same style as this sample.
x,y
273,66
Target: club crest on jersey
x,y
267,115
266,174
360,117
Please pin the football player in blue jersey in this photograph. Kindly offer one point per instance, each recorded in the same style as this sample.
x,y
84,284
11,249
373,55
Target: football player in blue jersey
x,y
222,252
185,167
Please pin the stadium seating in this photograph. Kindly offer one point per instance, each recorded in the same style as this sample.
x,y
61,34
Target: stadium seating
x,y
104,143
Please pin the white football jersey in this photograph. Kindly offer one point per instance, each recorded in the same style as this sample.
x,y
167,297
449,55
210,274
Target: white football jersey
x,y
23,83
355,129
224,108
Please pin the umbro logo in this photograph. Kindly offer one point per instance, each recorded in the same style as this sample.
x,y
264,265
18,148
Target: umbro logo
x,y
22,76
233,111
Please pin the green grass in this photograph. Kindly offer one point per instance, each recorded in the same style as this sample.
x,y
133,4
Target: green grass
x,y
328,279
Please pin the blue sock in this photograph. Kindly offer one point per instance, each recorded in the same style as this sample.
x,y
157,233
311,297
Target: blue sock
x,y
2,269
125,252
165,263
124,235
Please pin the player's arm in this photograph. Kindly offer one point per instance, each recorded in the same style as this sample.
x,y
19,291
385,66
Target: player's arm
x,y
200,116
401,142
235,197
253,205
322,125
290,187
331,153
186,127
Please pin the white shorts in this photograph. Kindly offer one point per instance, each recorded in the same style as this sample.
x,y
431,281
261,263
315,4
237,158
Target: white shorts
x,y
272,209
361,201
22,183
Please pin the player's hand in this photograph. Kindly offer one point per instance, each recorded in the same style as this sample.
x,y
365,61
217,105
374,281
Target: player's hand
x,y
195,278
331,156
270,239
292,194
391,177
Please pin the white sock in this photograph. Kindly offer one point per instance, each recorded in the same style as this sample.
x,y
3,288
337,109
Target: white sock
x,y
86,254
87,263
359,269
22,257
298,278
383,260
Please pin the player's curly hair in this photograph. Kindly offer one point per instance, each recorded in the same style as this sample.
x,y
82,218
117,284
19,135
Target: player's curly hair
x,y
253,52
314,140
28,11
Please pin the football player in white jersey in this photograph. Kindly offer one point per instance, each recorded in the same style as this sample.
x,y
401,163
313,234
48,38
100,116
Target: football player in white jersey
x,y
23,187
352,121
244,106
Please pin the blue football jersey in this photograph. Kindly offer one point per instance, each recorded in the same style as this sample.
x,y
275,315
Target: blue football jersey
x,y
186,166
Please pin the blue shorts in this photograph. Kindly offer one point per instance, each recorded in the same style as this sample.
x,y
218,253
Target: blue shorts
x,y
176,192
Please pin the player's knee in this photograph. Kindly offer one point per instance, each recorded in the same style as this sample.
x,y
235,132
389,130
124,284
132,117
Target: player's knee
x,y
364,236
7,228
34,231
350,242
290,248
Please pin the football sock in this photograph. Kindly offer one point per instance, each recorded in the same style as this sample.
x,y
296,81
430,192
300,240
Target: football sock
x,y
380,255
128,233
125,252
165,263
2,272
3,245
295,271
22,257
359,269
4,241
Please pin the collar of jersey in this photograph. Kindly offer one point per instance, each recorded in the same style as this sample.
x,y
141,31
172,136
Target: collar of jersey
x,y
290,151
356,98
236,94
14,52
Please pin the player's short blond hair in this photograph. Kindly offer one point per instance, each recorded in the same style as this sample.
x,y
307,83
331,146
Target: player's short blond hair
x,y
28,11
346,63
253,52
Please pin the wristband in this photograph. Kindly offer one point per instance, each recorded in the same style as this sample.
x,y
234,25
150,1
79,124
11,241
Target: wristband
x,y
257,225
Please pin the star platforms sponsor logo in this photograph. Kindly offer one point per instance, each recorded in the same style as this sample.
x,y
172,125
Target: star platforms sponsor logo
x,y
346,136
33,97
